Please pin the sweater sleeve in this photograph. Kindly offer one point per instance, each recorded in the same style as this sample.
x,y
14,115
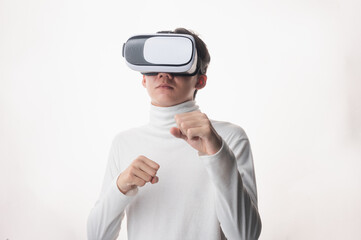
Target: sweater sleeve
x,y
108,212
232,174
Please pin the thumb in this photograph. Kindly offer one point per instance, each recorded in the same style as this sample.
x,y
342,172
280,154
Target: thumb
x,y
177,133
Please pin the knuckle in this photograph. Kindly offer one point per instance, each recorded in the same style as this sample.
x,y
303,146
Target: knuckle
x,y
135,161
208,130
207,123
176,118
129,177
139,158
189,132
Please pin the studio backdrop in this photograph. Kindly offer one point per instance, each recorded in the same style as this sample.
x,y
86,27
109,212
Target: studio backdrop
x,y
287,72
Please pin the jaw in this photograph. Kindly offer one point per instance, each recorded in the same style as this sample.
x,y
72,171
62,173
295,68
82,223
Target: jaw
x,y
168,100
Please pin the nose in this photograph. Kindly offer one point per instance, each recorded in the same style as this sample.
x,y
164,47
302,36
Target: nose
x,y
168,75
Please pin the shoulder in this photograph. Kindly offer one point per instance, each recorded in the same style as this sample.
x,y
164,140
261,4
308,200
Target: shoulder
x,y
229,130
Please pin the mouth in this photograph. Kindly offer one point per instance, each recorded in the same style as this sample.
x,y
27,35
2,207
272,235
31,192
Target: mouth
x,y
165,86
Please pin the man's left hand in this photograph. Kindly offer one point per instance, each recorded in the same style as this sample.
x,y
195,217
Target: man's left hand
x,y
196,129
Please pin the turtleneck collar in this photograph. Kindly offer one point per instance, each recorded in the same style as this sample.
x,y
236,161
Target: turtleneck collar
x,y
163,117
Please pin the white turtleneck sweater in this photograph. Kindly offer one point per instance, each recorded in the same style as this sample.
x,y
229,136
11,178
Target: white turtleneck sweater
x,y
197,197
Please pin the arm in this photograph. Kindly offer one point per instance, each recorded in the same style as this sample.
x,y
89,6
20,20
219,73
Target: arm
x,y
106,216
231,172
235,190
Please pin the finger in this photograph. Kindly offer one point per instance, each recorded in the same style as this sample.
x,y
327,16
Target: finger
x,y
191,123
141,174
154,180
138,182
194,113
149,162
176,132
194,133
146,168
183,128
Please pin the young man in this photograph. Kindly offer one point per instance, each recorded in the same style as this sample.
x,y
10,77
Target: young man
x,y
181,176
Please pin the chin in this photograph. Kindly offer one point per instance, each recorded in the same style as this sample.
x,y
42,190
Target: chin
x,y
167,102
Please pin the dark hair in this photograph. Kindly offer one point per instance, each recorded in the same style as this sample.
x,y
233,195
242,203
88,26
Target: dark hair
x,y
202,51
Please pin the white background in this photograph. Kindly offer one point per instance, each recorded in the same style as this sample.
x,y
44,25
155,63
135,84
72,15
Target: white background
x,y
288,72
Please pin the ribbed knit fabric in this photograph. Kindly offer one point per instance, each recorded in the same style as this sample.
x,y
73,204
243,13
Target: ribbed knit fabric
x,y
197,197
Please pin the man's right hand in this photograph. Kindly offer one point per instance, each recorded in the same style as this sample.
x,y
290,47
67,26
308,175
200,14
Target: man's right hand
x,y
139,172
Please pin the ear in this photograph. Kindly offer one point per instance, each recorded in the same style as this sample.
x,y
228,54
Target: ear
x,y
201,82
144,82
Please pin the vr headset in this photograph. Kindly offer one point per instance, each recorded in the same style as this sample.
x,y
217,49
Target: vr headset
x,y
162,52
